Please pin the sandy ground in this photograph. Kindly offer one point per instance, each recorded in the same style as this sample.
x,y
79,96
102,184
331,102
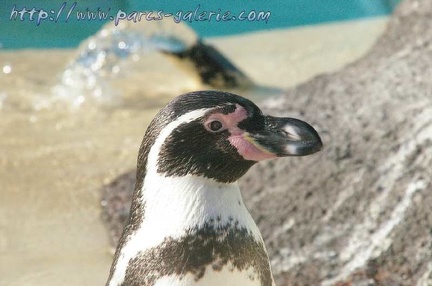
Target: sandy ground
x,y
55,159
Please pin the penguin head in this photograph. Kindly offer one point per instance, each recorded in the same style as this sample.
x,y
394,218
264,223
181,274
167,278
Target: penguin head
x,y
219,135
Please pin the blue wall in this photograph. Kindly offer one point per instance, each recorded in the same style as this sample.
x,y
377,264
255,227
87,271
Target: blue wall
x,y
56,32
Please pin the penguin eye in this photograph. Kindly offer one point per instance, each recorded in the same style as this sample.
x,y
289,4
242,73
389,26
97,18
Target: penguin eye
x,y
215,125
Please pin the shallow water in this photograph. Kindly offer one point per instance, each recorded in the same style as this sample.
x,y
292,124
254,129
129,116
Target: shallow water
x,y
54,159
55,155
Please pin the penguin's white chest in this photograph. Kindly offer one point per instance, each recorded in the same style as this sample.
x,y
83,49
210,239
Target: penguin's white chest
x,y
193,233
228,275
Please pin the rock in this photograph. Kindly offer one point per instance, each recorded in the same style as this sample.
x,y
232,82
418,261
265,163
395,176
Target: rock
x,y
359,212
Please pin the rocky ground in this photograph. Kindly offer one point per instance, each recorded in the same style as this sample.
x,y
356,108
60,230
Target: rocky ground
x,y
359,212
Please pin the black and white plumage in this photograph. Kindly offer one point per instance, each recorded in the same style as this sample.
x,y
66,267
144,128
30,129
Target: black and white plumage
x,y
188,224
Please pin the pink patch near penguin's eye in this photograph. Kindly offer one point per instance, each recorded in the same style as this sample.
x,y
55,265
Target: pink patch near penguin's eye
x,y
248,150
239,139
228,121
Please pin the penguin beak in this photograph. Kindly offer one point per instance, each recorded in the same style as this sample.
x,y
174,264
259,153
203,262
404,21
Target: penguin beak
x,y
286,137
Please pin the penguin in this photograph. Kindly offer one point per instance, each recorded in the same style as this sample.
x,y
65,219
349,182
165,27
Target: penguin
x,y
188,224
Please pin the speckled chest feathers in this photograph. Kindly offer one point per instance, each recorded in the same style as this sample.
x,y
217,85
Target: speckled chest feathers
x,y
188,223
